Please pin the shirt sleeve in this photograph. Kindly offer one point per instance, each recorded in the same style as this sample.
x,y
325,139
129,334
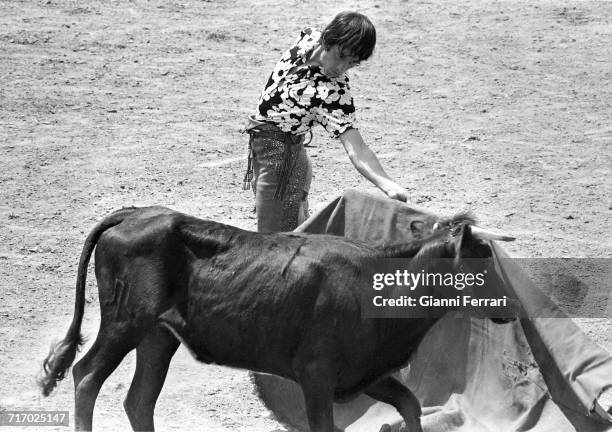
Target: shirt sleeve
x,y
335,110
302,44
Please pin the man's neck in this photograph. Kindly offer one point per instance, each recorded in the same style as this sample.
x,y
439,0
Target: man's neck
x,y
315,56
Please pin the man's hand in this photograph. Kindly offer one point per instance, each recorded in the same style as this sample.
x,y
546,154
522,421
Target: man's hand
x,y
397,192
366,162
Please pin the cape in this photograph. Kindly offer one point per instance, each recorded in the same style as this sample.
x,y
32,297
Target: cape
x,y
470,375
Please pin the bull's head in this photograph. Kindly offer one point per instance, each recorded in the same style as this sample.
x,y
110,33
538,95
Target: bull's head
x,y
457,246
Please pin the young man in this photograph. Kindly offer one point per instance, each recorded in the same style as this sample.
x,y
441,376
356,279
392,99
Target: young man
x,y
309,86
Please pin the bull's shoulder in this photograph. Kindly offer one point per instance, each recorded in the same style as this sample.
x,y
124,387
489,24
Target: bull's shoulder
x,y
331,248
326,259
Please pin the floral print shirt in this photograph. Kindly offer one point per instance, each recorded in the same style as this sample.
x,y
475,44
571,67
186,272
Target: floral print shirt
x,y
296,98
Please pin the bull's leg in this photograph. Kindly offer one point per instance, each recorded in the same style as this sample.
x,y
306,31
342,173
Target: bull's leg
x,y
153,357
391,391
318,389
92,370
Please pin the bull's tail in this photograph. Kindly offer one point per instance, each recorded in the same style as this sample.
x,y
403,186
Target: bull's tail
x,y
62,353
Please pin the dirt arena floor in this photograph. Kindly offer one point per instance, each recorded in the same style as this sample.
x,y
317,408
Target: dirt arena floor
x,y
502,107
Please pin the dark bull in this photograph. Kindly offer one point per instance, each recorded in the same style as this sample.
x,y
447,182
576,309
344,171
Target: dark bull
x,y
284,303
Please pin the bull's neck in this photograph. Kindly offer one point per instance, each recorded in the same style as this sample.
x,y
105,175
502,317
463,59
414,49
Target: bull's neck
x,y
405,250
400,337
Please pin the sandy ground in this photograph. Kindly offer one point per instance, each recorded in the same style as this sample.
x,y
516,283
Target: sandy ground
x,y
500,107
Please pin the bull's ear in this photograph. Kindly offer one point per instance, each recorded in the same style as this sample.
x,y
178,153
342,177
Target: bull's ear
x,y
467,245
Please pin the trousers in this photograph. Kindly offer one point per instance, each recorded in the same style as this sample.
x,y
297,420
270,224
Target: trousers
x,y
282,174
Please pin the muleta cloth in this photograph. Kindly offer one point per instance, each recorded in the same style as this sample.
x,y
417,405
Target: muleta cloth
x,y
470,375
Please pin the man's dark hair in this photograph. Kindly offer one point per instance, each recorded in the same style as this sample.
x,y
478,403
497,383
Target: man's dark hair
x,y
353,32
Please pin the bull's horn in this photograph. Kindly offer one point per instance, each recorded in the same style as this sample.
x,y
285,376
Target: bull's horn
x,y
487,234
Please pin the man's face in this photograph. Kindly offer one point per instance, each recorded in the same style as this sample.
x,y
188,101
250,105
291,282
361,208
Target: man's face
x,y
335,62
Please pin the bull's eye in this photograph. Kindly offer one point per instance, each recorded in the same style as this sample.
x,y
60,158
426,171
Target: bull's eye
x,y
455,230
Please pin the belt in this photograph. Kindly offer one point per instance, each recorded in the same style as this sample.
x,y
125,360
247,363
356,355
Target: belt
x,y
259,129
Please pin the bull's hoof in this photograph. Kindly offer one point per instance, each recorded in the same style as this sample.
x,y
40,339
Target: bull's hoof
x,y
385,428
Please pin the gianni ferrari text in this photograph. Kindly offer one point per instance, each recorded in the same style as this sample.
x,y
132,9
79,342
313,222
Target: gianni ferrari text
x,y
404,279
